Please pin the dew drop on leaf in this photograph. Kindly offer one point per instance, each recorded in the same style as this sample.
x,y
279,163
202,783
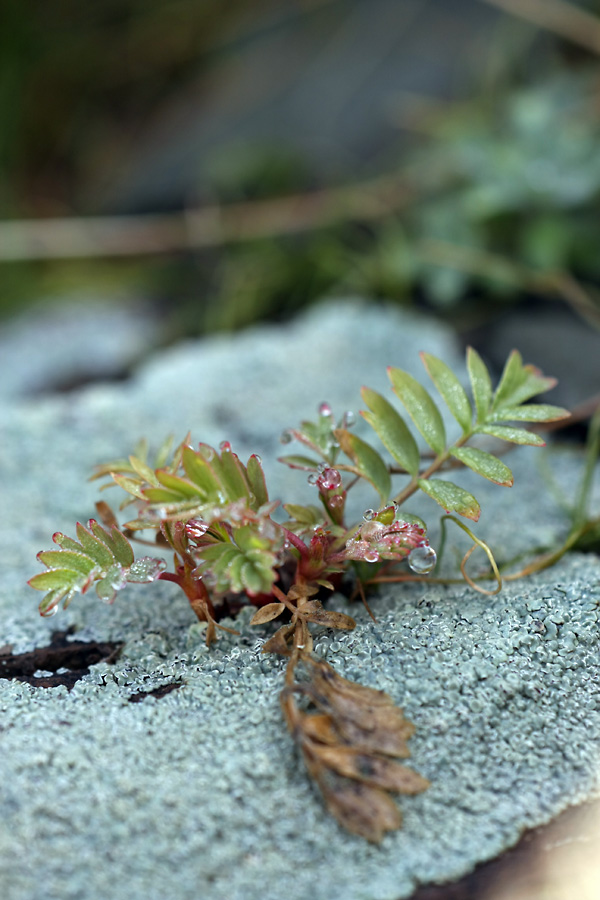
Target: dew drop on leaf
x,y
336,501
368,515
372,530
225,447
330,479
313,478
371,556
285,437
325,410
349,419
422,559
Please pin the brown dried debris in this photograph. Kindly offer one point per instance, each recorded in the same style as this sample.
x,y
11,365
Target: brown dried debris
x,y
348,741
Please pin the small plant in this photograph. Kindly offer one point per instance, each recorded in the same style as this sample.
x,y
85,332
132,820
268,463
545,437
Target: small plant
x,y
233,547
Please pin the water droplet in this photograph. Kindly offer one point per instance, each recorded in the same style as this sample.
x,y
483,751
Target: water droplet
x,y
372,530
286,437
195,528
369,514
336,501
330,479
349,419
371,556
50,612
257,458
422,559
321,467
313,478
325,410
225,447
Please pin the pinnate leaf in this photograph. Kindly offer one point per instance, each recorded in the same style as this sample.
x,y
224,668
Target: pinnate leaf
x,y
420,407
392,430
450,389
451,497
102,557
484,464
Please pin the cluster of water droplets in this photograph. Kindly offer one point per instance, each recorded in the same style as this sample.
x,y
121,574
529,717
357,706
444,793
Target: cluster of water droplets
x,y
376,539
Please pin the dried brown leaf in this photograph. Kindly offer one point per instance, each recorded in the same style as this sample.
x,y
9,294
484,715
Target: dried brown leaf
x,y
267,613
278,643
377,771
330,619
361,809
364,717
107,516
348,747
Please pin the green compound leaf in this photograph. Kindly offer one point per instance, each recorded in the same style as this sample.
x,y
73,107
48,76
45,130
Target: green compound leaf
x,y
420,407
102,557
519,383
484,464
451,497
451,390
367,461
392,430
514,435
481,384
530,412
245,565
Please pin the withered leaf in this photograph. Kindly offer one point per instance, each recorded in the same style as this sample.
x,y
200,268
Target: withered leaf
x,y
348,747
278,643
364,717
361,809
107,516
301,591
330,619
378,771
267,613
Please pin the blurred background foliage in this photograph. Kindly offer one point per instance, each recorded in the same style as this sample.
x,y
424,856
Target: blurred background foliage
x,y
443,155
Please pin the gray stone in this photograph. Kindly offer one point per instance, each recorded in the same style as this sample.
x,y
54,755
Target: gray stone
x,y
201,793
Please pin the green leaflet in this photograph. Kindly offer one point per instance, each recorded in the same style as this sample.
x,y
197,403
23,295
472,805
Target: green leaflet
x,y
519,383
69,559
451,390
143,470
420,407
198,470
530,412
392,430
256,480
367,461
181,488
514,435
481,384
484,464
451,497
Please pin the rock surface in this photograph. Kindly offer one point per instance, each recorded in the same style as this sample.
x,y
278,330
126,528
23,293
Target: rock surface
x,y
199,792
